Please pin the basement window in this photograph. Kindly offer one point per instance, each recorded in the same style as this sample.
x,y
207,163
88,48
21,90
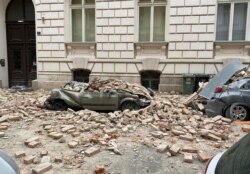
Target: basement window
x,y
150,79
81,75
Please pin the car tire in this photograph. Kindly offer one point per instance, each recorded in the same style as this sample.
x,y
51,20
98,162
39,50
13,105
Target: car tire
x,y
238,112
59,105
130,105
227,113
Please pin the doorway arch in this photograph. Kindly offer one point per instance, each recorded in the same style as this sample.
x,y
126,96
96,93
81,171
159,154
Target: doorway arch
x,y
21,42
150,79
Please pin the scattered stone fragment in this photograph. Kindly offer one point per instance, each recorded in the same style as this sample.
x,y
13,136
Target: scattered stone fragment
x,y
42,168
177,132
217,118
213,137
99,169
32,139
72,144
203,156
189,149
2,134
67,128
58,159
28,159
20,154
55,135
174,150
92,151
157,134
227,120
110,131
246,129
4,118
44,153
14,118
188,158
187,137
33,144
162,148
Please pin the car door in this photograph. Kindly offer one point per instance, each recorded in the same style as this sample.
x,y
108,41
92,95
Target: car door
x,y
99,100
245,91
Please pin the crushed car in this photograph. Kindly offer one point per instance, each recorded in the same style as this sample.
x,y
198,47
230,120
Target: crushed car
x,y
99,95
226,94
231,101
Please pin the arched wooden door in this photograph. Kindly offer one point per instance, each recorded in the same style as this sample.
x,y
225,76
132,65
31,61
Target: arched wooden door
x,y
21,42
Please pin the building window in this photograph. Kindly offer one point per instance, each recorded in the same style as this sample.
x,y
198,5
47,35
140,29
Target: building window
x,y
152,20
83,20
81,75
150,79
232,21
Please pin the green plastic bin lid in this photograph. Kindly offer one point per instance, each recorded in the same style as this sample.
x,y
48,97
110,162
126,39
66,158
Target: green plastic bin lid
x,y
188,75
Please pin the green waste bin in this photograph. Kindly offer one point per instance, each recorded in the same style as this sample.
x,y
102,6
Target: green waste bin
x,y
188,82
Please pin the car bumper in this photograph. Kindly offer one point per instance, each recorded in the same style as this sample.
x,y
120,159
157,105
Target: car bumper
x,y
214,107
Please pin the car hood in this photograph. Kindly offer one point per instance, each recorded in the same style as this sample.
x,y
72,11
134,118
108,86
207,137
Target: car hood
x,y
221,78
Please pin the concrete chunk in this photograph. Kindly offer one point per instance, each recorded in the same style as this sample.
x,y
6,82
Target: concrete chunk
x,y
188,158
2,134
72,144
20,154
32,139
42,168
162,148
92,151
203,156
157,134
187,137
67,128
174,150
189,149
33,144
28,159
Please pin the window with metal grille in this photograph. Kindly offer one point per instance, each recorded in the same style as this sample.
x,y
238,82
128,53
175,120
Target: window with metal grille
x,y
81,75
150,79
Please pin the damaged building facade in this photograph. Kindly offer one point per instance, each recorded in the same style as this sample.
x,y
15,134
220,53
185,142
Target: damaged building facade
x,y
45,43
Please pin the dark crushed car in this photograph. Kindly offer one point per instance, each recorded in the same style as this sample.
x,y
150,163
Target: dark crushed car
x,y
108,100
231,101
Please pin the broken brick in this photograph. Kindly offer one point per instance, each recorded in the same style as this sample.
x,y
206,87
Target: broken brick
x,y
92,151
174,150
28,159
203,156
188,158
42,168
72,144
20,154
189,149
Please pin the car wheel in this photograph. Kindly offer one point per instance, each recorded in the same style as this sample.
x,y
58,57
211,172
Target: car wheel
x,y
238,112
130,105
227,113
59,105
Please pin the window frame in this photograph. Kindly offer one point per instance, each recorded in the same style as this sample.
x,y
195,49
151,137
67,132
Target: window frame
x,y
83,7
231,20
152,4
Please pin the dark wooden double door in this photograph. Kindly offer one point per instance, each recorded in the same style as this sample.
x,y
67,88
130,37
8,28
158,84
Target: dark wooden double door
x,y
21,43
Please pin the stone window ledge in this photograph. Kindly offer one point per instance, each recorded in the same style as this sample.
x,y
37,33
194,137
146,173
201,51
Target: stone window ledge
x,y
151,50
81,49
232,49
